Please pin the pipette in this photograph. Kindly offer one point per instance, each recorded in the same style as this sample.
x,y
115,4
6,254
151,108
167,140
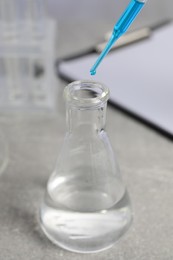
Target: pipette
x,y
120,28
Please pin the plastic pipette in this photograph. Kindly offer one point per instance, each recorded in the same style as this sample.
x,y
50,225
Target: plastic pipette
x,y
120,28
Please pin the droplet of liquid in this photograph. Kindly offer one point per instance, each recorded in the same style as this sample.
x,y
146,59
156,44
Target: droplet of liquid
x,y
92,72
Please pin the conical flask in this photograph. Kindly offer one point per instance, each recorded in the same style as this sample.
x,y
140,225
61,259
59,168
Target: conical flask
x,y
86,206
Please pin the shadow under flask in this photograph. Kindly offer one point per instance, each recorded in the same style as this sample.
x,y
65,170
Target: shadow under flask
x,y
86,206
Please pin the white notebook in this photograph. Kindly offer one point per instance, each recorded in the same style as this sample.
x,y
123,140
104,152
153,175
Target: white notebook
x,y
140,77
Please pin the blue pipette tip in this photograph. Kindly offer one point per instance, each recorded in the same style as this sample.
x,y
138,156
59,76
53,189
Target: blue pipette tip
x,y
92,72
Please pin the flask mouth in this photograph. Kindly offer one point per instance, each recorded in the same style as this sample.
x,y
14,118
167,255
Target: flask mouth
x,y
86,94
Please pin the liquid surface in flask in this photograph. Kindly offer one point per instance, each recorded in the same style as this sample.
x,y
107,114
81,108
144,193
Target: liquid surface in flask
x,y
86,206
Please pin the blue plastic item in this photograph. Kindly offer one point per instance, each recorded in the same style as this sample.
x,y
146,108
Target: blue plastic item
x,y
120,28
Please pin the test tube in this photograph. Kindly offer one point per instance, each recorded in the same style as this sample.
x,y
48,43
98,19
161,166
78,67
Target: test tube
x,y
1,21
3,18
38,10
38,30
9,12
20,18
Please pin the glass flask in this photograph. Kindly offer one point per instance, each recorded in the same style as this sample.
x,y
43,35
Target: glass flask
x,y
86,207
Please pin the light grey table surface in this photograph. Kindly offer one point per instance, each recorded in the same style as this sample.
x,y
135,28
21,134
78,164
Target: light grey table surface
x,y
34,142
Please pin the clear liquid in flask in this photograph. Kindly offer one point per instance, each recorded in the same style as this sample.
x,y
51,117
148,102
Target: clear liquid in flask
x,y
83,221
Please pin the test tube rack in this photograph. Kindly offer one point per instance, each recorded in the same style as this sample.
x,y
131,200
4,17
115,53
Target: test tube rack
x,y
27,53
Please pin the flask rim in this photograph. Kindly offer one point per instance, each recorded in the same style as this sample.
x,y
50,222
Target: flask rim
x,y
86,94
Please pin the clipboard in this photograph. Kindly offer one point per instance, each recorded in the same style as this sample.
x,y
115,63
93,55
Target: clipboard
x,y
140,78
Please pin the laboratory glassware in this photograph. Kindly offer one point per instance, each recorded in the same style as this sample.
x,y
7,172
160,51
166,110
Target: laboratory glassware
x,y
27,51
126,19
86,207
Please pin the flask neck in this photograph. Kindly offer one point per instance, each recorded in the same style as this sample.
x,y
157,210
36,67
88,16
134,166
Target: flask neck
x,y
86,121
86,107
